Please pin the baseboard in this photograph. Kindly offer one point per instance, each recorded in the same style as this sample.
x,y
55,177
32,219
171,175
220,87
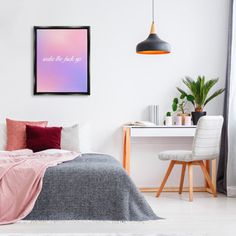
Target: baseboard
x,y
231,191
175,189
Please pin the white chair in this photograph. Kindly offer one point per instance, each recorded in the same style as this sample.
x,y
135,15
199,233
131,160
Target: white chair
x,y
206,146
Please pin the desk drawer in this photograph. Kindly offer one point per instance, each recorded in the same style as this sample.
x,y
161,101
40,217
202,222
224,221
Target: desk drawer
x,y
163,132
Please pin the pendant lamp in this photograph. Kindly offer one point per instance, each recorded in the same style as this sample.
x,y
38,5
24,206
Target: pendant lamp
x,y
153,44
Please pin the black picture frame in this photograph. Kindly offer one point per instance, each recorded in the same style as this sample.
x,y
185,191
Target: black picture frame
x,y
36,28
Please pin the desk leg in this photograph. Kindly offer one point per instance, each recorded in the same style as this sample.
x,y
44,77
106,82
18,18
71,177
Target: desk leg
x,y
126,150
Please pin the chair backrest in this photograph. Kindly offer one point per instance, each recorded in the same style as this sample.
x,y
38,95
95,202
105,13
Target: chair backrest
x,y
206,144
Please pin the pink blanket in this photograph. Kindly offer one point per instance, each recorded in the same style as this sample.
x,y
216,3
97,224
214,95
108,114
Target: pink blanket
x,y
21,179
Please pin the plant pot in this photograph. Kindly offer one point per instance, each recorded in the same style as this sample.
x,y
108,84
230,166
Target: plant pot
x,y
168,121
187,121
178,120
183,115
197,115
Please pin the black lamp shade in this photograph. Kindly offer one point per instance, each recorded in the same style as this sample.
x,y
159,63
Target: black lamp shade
x,y
153,45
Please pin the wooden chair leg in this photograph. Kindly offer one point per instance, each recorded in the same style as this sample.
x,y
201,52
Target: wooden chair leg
x,y
207,165
182,178
213,172
190,181
208,178
172,163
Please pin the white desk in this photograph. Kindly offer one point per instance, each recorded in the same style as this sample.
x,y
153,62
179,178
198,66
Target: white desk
x,y
160,131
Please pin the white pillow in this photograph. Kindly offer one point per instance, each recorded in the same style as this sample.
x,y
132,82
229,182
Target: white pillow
x,y
70,138
76,138
85,144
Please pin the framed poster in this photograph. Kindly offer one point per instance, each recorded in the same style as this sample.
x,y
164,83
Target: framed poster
x,y
61,61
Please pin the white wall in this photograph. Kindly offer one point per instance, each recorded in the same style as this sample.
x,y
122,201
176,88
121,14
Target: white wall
x,y
123,83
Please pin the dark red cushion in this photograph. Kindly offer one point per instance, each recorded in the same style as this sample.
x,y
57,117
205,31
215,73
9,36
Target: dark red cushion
x,y
42,138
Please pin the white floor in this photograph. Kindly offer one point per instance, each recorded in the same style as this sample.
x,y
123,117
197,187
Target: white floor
x,y
204,216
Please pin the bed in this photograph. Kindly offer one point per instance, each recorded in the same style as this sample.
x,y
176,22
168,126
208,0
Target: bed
x,y
90,187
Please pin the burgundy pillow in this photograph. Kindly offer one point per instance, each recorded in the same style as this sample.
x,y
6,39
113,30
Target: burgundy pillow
x,y
42,138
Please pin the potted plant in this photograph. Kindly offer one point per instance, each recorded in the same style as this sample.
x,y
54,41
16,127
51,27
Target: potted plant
x,y
168,119
200,97
179,105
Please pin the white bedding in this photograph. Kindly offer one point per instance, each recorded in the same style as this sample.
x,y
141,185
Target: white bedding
x,y
53,151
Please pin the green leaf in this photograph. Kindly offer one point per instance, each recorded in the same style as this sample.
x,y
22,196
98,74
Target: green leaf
x,y
176,100
190,98
181,91
215,94
174,106
191,84
201,90
209,84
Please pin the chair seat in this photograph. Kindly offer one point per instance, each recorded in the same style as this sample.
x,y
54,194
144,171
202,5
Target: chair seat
x,y
176,155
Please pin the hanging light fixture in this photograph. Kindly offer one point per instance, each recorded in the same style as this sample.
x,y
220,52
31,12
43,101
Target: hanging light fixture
x,y
153,44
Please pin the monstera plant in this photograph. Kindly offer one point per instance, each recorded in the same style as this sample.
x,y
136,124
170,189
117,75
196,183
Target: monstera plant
x,y
199,90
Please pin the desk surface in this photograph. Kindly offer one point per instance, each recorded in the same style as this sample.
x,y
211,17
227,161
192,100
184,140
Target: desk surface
x,y
160,126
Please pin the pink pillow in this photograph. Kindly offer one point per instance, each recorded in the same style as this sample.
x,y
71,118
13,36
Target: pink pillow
x,y
42,138
16,135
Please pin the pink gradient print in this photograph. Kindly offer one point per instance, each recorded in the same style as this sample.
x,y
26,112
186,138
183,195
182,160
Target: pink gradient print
x,y
62,60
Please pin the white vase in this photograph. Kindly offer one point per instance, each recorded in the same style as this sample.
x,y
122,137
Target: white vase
x,y
168,121
187,120
178,120
154,114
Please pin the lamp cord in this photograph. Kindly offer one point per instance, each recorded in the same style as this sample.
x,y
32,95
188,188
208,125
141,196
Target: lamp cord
x,y
153,12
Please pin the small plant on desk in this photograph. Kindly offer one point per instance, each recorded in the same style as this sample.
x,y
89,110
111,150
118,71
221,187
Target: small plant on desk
x,y
168,119
200,97
179,106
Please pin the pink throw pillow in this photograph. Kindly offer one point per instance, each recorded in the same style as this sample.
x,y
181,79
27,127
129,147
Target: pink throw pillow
x,y
16,134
